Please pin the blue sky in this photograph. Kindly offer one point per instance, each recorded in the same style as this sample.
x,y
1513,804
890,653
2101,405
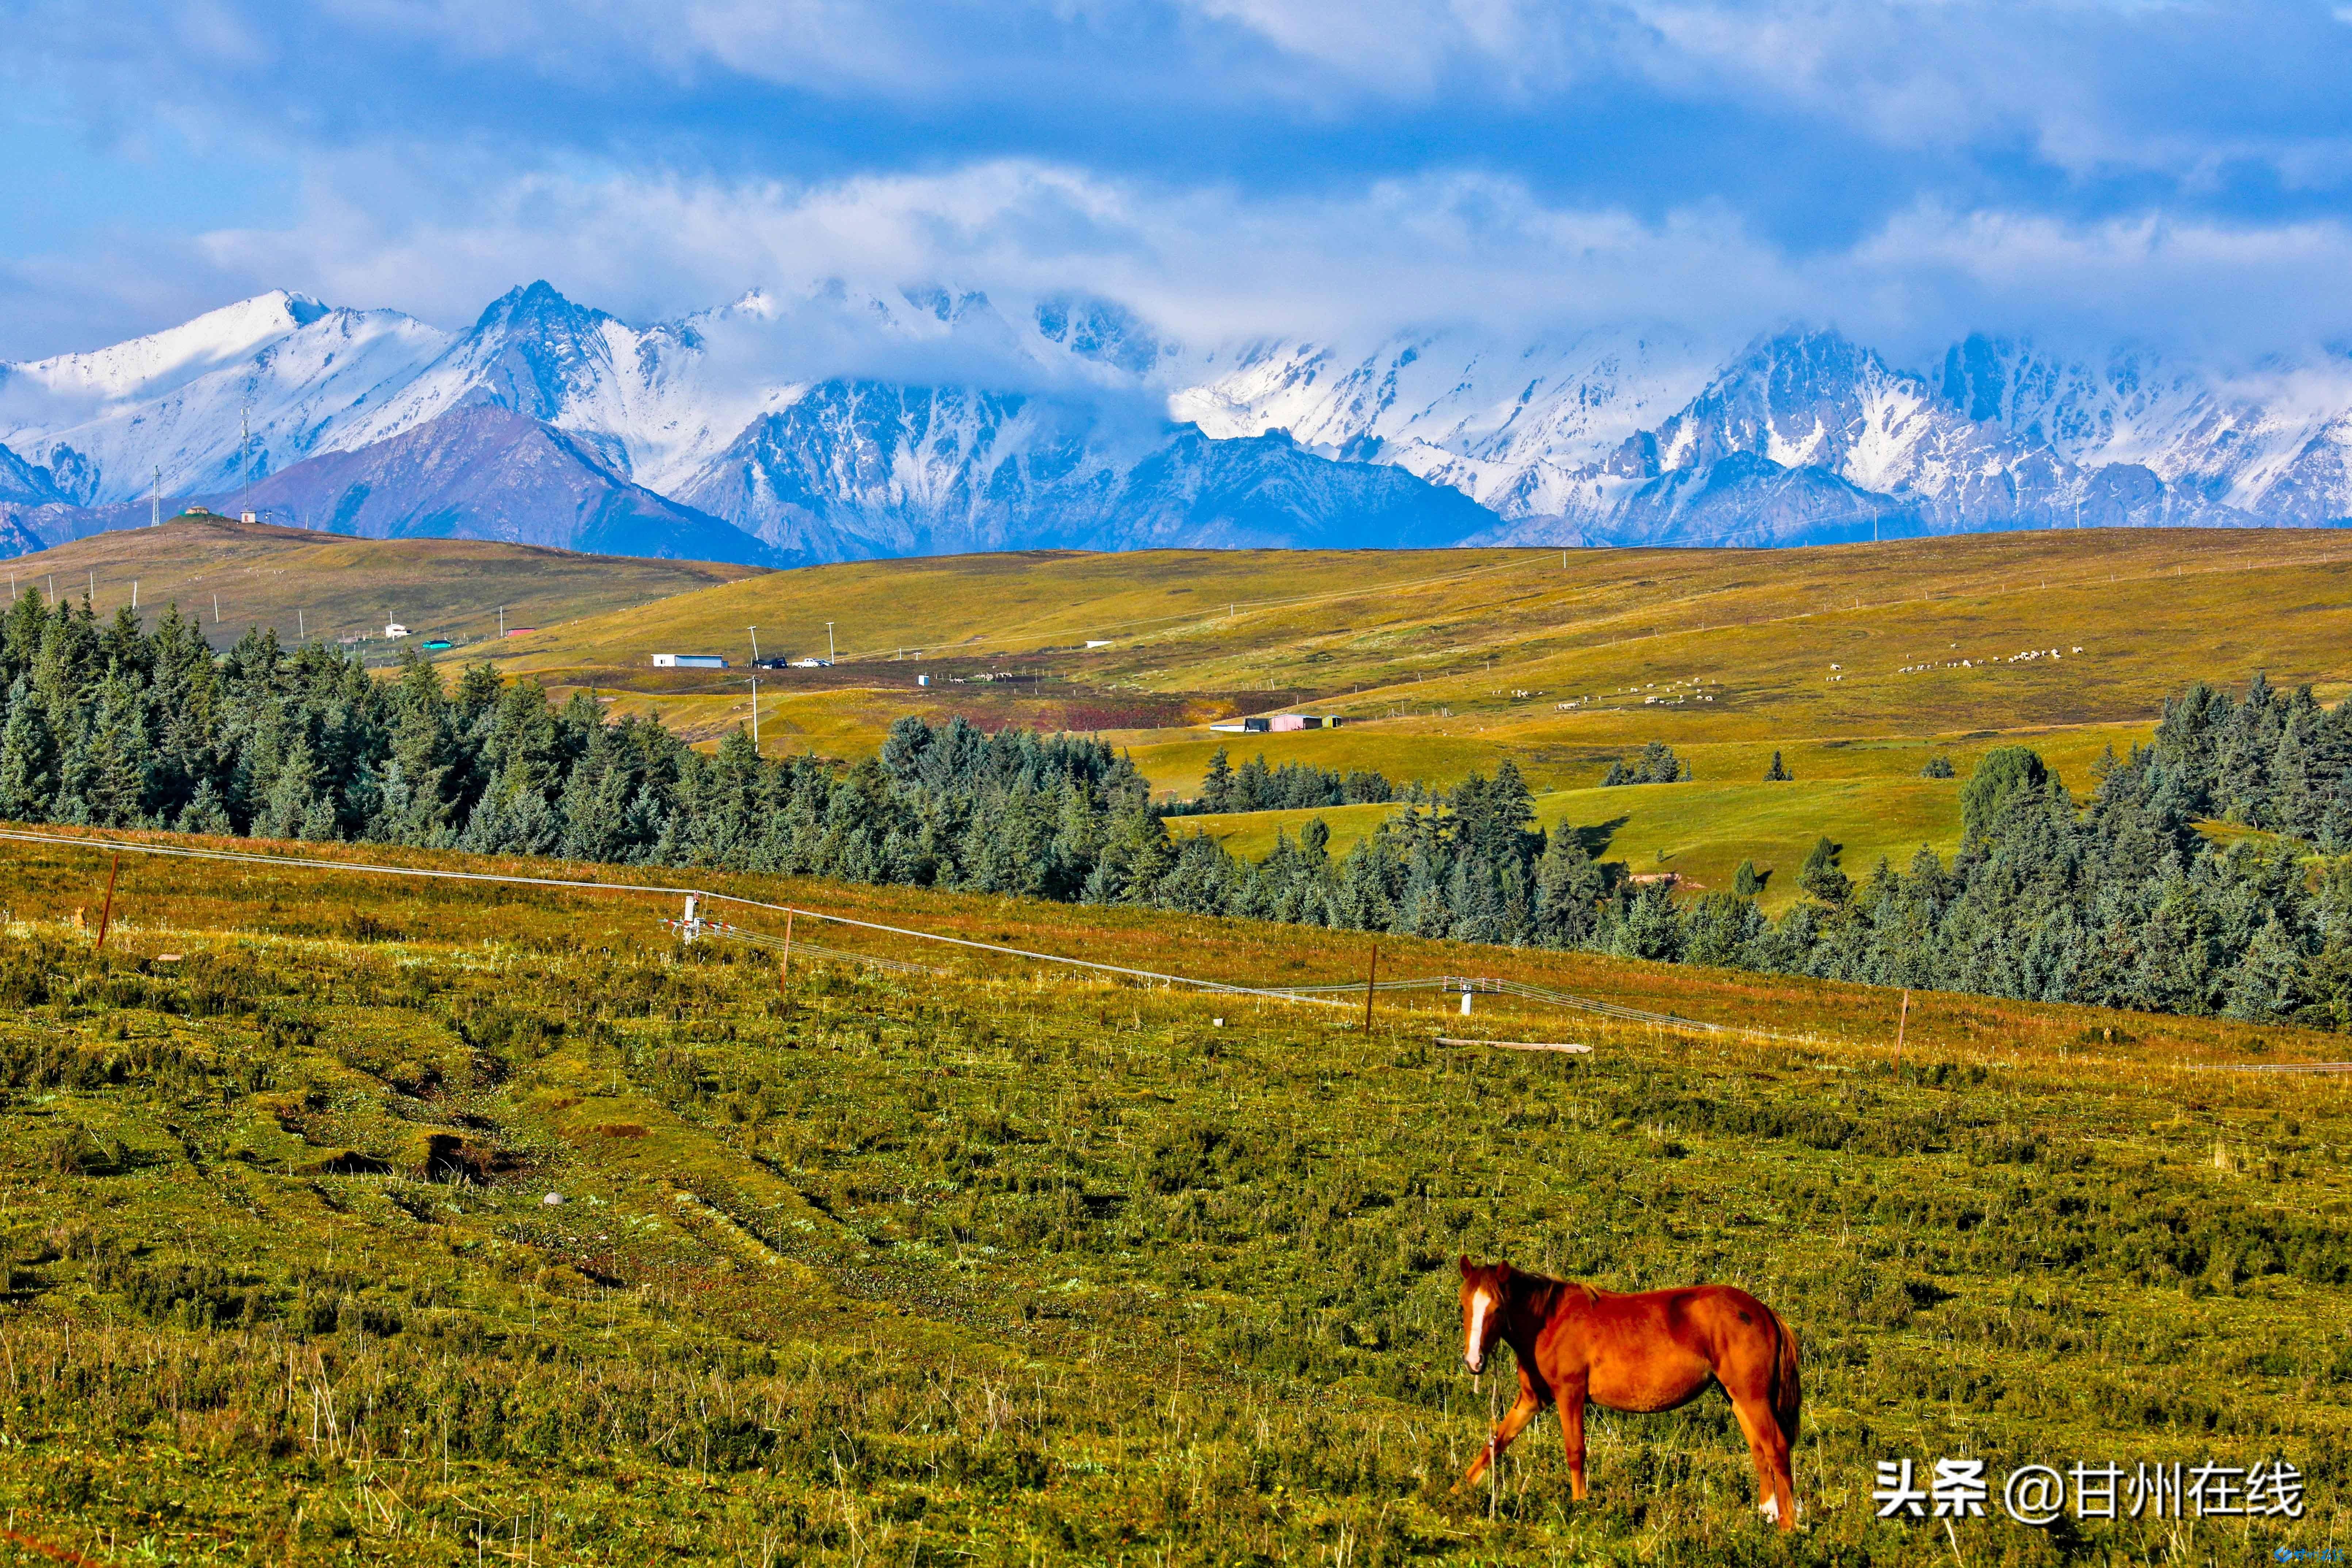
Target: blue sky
x,y
1906,170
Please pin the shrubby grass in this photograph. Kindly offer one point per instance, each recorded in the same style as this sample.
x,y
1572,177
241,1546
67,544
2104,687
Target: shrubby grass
x,y
995,1264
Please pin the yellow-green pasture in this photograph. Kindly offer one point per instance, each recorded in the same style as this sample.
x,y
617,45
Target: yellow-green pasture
x,y
1697,832
1784,643
1868,797
231,575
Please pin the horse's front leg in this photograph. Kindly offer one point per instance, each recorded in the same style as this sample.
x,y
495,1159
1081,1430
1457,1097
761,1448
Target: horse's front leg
x,y
1571,1435
1515,1421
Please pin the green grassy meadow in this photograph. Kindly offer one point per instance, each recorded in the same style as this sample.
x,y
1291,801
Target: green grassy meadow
x,y
1000,1264
1865,795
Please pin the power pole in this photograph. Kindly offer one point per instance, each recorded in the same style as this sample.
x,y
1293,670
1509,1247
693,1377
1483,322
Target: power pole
x,y
502,621
828,642
244,447
155,509
755,643
755,715
302,633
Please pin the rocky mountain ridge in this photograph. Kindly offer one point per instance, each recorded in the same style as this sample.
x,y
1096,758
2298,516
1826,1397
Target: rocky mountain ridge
x,y
839,423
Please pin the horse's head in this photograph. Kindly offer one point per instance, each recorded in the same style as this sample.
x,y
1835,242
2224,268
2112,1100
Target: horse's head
x,y
1482,1310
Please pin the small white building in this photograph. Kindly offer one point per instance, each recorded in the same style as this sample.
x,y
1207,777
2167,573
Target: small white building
x,y
394,630
689,661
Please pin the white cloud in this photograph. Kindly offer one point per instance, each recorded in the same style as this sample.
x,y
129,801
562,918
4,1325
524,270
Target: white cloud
x,y
1209,264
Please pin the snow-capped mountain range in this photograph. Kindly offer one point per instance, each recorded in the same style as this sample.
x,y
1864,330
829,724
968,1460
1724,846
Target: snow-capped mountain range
x,y
839,423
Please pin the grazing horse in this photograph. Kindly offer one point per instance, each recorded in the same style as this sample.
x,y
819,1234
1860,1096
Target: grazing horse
x,y
1654,1351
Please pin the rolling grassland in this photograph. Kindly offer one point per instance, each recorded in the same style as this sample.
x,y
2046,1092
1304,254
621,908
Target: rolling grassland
x,y
1003,1264
1856,663
1449,661
327,585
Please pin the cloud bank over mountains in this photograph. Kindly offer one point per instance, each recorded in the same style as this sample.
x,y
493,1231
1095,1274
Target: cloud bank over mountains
x,y
2079,170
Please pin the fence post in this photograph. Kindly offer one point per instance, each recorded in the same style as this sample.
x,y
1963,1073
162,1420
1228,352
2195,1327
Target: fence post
x,y
106,911
1903,1025
784,970
1370,975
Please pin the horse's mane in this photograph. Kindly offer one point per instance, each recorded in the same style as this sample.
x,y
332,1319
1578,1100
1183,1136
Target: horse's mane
x,y
1544,1286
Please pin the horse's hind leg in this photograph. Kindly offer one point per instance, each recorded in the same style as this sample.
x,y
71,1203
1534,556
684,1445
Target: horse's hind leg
x,y
1769,1449
1571,1434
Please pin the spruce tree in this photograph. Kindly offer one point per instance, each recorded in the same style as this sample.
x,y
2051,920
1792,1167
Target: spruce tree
x,y
1821,876
27,760
1777,773
1745,882
1217,784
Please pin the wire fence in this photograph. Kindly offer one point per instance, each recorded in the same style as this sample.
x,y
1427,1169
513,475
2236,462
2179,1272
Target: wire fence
x,y
1489,985
1338,994
431,873
692,930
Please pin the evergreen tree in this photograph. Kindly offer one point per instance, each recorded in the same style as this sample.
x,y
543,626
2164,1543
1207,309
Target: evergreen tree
x,y
1745,882
28,757
287,806
1777,774
2002,776
206,813
1821,876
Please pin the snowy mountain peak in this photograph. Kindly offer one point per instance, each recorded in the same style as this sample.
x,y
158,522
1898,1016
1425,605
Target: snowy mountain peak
x,y
536,308
832,418
149,364
1100,330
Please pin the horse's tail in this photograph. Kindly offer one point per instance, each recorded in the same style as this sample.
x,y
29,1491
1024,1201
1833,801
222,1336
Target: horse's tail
x,y
1786,1395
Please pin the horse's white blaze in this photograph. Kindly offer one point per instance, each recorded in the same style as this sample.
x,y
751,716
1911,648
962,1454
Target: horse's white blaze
x,y
1478,1304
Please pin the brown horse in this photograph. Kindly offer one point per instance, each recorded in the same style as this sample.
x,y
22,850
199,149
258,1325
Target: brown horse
x,y
1655,1351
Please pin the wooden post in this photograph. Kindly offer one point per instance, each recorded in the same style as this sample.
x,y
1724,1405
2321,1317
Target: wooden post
x,y
106,911
1370,975
784,970
1903,1025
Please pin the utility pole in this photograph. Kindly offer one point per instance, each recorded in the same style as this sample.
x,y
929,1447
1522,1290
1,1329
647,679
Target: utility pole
x,y
244,447
755,715
134,596
215,609
502,621
828,642
155,508
302,633
755,643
